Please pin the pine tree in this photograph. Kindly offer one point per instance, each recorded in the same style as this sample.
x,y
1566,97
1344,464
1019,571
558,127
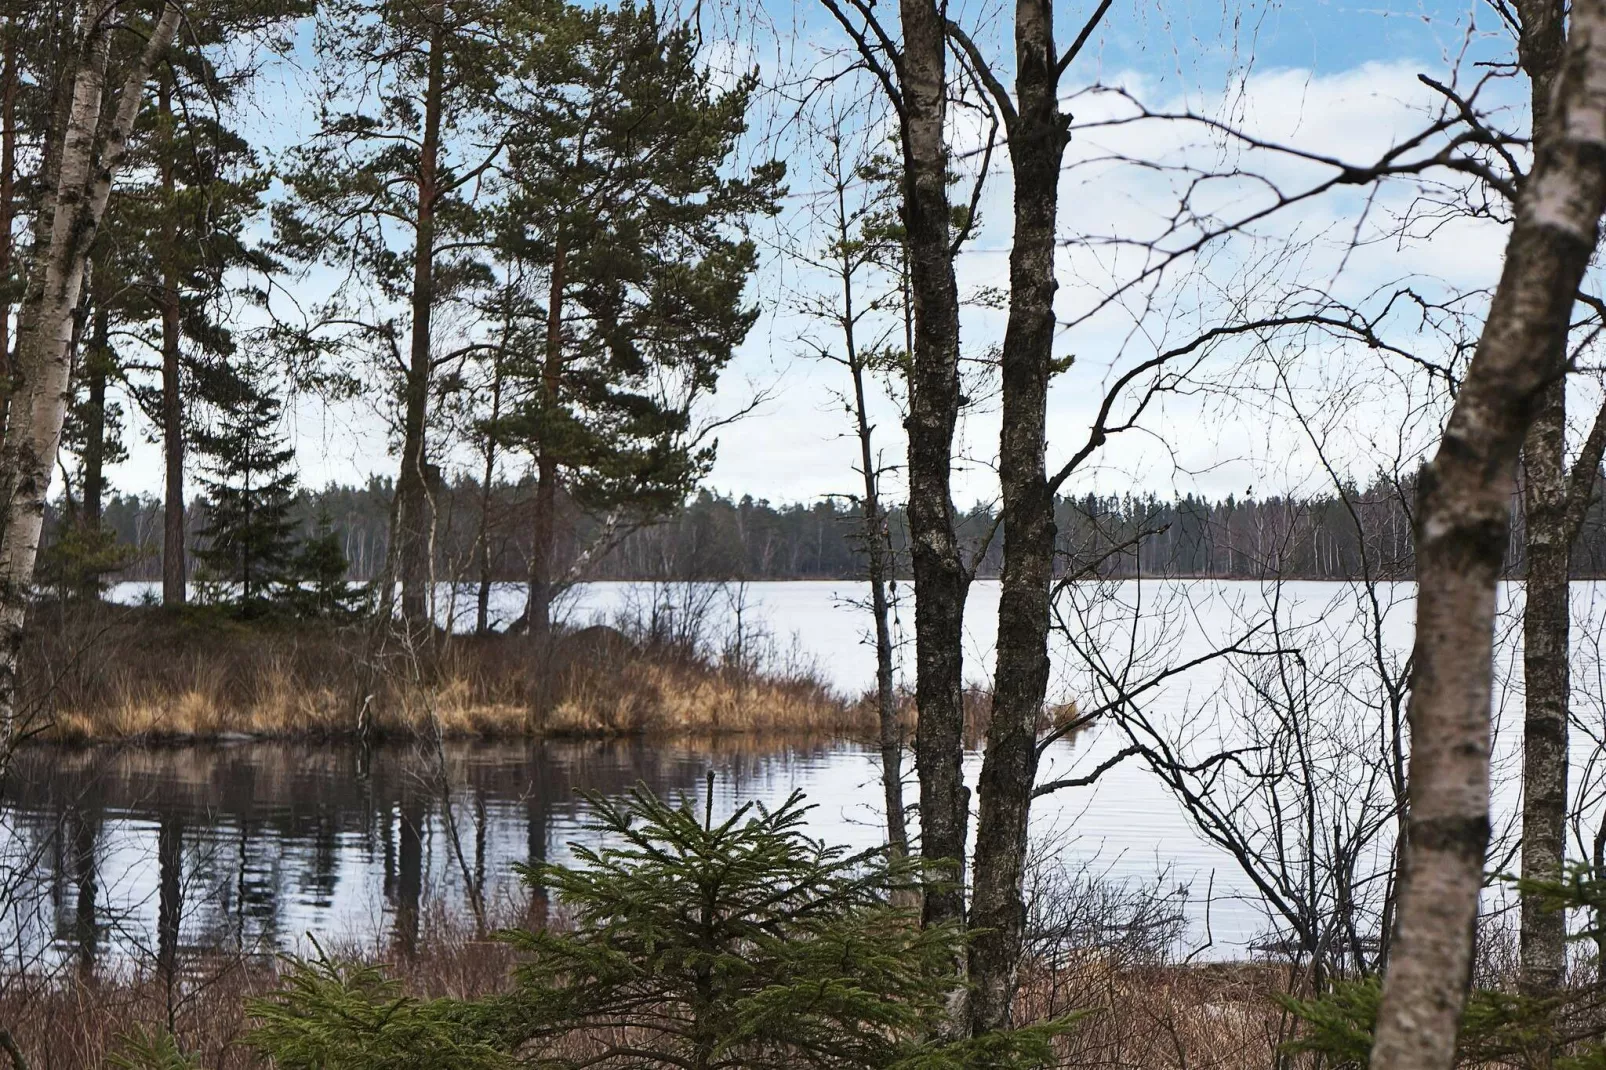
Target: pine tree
x,y
178,249
249,535
627,200
411,139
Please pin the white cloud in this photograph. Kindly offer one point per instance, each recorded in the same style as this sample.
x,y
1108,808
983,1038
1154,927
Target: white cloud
x,y
1121,183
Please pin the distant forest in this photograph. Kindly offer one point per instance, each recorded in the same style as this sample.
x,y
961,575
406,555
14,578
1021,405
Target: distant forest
x,y
713,537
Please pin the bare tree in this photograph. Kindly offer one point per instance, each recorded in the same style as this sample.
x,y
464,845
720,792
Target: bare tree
x,y
1037,133
913,72
1462,516
857,245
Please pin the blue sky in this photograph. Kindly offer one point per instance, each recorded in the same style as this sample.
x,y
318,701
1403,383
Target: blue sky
x,y
1337,77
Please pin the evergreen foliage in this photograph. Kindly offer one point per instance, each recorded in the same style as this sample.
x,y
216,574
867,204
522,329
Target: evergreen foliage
x,y
181,224
91,415
1498,1027
627,205
695,945
334,1015
79,560
151,1049
318,585
249,538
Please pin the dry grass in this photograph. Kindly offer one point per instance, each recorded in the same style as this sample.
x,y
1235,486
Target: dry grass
x,y
77,1020
1136,1010
1160,1017
1212,1016
143,673
643,695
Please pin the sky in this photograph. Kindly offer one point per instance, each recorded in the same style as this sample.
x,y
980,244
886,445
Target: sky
x,y
1336,79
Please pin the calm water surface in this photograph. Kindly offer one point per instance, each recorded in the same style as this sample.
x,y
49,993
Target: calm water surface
x,y
130,854
136,853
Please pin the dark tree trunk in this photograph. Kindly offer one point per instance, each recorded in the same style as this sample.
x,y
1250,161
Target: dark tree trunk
x,y
482,602
1545,621
1037,137
543,549
8,206
940,580
97,369
413,519
170,897
538,606
175,575
1462,521
1546,615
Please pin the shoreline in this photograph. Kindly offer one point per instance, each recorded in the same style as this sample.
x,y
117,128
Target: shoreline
x,y
346,737
1188,577
105,672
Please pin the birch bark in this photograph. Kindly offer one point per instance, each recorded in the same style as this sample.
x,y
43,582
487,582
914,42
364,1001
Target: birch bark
x,y
1461,529
91,152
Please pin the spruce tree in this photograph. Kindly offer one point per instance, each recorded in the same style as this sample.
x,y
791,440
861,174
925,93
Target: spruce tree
x,y
317,583
249,539
694,944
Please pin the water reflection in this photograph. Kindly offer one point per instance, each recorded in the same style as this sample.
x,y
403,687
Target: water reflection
x,y
141,855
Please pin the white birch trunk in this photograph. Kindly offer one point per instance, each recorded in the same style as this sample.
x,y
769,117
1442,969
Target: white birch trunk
x,y
1463,517
91,152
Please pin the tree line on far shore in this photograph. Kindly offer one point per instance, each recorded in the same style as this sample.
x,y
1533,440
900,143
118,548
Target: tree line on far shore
x,y
720,537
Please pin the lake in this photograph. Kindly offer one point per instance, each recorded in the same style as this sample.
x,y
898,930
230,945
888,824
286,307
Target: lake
x,y
128,853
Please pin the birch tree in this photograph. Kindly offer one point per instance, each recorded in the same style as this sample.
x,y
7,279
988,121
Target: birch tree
x,y
94,141
1461,524
1554,504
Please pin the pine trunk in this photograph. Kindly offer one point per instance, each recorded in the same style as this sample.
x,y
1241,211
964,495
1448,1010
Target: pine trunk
x,y
1462,521
413,519
543,549
175,573
482,603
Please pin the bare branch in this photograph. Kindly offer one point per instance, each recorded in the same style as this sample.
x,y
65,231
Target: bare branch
x,y
984,74
1081,39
